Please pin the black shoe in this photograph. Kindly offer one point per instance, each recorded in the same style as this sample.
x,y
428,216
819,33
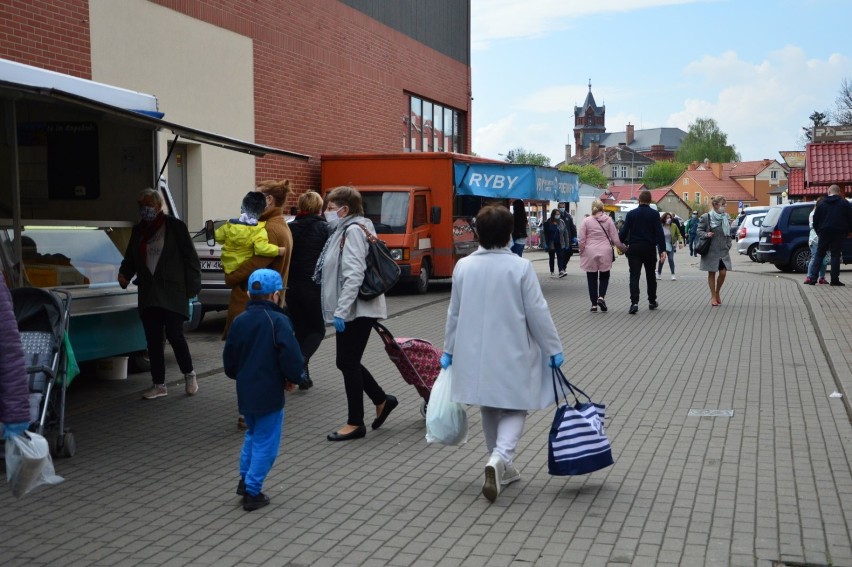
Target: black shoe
x,y
307,383
652,305
358,433
634,309
602,304
254,502
241,487
837,282
390,403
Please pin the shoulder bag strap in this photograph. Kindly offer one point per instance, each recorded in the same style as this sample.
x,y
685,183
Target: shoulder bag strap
x,y
605,232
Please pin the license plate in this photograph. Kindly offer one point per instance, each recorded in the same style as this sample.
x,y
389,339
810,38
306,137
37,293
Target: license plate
x,y
211,265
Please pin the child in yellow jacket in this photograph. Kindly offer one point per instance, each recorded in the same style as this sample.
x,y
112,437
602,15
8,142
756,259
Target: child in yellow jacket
x,y
245,237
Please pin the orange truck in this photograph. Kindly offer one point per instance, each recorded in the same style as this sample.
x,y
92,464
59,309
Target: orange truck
x,y
423,204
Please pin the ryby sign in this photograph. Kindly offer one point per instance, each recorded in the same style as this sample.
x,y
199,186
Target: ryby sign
x,y
493,181
832,134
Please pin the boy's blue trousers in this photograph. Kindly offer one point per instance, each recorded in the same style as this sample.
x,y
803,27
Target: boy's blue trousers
x,y
263,438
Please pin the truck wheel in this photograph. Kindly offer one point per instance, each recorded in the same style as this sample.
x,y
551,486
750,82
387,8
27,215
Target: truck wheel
x,y
752,252
423,280
139,362
800,259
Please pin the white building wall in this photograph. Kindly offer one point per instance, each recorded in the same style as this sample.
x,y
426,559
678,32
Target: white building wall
x,y
203,77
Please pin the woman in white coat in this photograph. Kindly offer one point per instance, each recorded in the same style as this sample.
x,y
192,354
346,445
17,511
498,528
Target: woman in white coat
x,y
501,342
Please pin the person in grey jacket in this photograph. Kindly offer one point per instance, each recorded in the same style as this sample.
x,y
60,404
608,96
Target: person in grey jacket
x,y
14,392
340,272
716,225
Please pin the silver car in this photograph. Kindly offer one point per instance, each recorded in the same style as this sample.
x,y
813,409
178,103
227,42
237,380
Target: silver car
x,y
748,231
214,294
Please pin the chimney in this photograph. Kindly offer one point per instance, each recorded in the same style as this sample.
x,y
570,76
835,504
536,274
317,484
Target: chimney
x,y
717,170
629,134
594,149
567,153
766,162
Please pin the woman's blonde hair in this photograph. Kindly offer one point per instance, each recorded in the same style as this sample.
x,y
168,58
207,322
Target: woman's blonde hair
x,y
278,190
718,199
597,206
347,197
144,194
310,202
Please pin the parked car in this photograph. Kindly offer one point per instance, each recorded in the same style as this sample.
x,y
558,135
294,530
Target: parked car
x,y
784,235
214,294
748,230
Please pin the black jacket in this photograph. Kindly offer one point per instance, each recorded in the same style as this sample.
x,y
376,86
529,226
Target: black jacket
x,y
642,226
833,214
309,235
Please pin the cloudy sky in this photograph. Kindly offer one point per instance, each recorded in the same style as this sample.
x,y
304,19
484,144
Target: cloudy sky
x,y
758,67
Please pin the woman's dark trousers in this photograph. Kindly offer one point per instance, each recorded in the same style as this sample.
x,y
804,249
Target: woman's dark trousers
x,y
154,321
598,284
357,379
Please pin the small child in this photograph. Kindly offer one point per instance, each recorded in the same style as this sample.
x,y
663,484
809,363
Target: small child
x,y
245,237
262,355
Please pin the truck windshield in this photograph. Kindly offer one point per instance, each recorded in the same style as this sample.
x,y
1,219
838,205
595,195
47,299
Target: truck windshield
x,y
388,210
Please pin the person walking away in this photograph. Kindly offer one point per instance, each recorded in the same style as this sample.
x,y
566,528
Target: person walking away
x,y
643,233
691,232
570,230
717,226
246,236
14,389
597,236
813,241
310,231
340,271
501,358
519,232
674,240
555,237
832,223
262,355
168,273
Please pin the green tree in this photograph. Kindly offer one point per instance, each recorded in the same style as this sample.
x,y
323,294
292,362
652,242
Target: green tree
x,y
817,118
662,173
587,174
520,155
705,140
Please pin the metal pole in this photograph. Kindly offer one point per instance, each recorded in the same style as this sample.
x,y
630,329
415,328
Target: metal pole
x,y
15,183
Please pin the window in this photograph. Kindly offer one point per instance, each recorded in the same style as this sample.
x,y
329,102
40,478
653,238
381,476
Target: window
x,y
640,171
799,216
429,126
624,171
686,180
686,197
614,171
420,216
697,197
773,174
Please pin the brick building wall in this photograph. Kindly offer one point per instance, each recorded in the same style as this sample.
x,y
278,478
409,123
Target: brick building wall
x,y
327,78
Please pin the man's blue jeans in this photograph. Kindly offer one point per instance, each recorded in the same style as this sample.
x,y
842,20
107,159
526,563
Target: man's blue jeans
x,y
260,448
812,264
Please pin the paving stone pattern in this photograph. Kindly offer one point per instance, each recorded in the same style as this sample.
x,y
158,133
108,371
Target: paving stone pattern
x,y
153,481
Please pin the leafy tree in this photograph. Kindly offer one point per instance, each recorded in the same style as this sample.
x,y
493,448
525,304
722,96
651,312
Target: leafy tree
x,y
520,155
843,114
705,140
817,118
662,173
588,174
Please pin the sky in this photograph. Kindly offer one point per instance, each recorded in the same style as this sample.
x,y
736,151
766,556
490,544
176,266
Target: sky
x,y
759,68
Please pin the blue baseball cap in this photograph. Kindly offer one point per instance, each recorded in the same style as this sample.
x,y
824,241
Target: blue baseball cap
x,y
264,282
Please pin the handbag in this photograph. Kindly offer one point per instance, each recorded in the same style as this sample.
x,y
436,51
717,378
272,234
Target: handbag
x,y
611,243
382,271
577,443
703,246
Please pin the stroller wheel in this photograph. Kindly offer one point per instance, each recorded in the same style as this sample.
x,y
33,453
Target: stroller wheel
x,y
423,409
69,445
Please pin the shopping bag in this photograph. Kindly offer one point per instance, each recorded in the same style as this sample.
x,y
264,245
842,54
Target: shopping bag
x,y
28,463
446,420
577,443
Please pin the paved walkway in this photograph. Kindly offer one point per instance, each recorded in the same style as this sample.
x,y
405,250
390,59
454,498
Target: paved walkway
x,y
152,482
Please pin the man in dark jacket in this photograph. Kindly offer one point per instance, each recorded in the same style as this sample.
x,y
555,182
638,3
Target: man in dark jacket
x,y
642,232
14,393
832,223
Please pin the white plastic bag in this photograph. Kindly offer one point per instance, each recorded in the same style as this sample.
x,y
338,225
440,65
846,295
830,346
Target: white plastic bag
x,y
28,463
446,421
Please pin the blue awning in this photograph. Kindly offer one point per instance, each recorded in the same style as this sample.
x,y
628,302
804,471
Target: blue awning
x,y
516,181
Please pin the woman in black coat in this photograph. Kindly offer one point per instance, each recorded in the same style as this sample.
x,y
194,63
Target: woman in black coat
x,y
310,231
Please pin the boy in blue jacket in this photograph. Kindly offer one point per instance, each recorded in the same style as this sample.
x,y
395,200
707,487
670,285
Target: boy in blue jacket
x,y
263,356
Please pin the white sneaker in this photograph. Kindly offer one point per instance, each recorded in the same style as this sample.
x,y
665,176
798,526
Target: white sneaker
x,y
191,383
563,274
510,475
552,275
674,277
493,477
156,391
659,276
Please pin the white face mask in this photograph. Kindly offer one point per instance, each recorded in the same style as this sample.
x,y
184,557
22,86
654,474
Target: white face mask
x,y
668,221
332,219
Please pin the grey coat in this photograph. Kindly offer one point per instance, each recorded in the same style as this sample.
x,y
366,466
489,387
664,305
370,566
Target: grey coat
x,y
720,247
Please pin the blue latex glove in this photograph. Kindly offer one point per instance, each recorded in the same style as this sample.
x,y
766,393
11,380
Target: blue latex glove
x,y
10,429
339,325
556,360
446,360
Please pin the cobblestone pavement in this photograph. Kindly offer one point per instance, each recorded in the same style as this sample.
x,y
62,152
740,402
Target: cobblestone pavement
x,y
153,481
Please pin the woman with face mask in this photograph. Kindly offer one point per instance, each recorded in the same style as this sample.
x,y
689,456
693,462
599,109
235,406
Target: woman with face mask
x,y
715,225
674,241
340,271
162,258
556,239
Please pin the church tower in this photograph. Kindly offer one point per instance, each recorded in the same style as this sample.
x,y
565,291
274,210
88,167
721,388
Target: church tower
x,y
589,123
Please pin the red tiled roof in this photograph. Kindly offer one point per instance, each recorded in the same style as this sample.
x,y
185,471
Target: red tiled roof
x,y
657,194
629,191
746,168
828,163
728,188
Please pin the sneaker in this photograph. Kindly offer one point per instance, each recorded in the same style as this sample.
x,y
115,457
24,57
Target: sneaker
x,y
674,277
254,502
837,283
241,486
510,475
659,276
552,275
156,391
634,309
563,274
808,280
493,477
822,281
191,383
652,305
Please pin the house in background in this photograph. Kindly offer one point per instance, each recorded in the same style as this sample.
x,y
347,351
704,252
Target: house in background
x,y
698,184
759,178
826,164
620,165
669,201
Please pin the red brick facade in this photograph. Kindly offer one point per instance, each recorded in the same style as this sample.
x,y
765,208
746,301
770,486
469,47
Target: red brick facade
x,y
328,79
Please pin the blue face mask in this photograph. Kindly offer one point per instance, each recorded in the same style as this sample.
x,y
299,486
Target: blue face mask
x,y
147,213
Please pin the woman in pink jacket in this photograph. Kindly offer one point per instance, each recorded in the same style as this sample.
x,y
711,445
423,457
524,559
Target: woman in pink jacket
x,y
597,236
